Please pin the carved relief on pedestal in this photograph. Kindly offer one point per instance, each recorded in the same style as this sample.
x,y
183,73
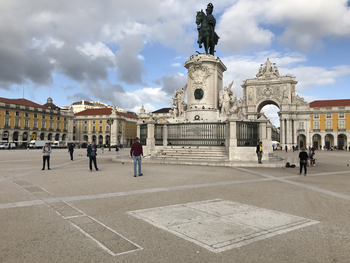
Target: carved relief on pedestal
x,y
199,73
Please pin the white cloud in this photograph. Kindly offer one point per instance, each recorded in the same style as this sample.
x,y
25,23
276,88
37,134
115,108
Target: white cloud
x,y
241,68
176,64
304,24
97,50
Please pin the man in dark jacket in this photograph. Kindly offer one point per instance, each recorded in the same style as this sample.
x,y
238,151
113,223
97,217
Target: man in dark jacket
x,y
71,150
92,153
259,151
136,153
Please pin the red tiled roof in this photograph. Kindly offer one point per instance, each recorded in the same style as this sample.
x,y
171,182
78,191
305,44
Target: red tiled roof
x,y
329,103
103,111
22,102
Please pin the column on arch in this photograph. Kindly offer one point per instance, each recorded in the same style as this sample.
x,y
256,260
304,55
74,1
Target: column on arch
x,y
282,129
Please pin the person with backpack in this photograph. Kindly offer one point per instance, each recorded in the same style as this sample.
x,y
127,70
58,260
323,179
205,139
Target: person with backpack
x,y
303,160
92,153
117,149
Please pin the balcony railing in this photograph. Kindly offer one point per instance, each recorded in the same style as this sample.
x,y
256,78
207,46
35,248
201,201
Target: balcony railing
x,y
35,128
26,128
58,130
65,130
50,129
317,130
329,130
342,129
17,127
43,129
84,131
7,127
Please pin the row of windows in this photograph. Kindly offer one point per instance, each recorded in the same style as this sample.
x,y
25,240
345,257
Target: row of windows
x,y
26,114
35,124
329,116
341,125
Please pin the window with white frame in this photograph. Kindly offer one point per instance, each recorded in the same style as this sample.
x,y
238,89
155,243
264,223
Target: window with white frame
x,y
26,114
43,124
107,128
85,129
65,126
317,125
316,116
35,115
341,124
16,122
341,115
7,112
301,125
100,128
329,116
43,116
7,122
329,125
26,123
93,129
35,124
17,113
51,125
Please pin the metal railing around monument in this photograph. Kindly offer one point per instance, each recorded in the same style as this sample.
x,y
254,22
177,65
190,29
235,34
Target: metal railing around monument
x,y
196,134
143,134
247,134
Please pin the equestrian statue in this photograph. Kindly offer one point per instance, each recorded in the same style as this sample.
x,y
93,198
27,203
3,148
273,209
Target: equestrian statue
x,y
206,34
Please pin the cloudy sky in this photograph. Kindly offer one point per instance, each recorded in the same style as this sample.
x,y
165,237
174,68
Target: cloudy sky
x,y
126,53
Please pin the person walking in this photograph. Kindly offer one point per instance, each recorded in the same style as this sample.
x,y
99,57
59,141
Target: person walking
x,y
27,148
303,160
71,150
286,147
92,153
117,149
135,154
293,148
46,156
259,152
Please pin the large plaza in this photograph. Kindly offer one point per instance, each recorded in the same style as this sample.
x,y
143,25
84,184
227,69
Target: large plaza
x,y
174,213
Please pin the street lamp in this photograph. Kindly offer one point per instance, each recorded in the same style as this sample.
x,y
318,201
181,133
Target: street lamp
x,y
110,122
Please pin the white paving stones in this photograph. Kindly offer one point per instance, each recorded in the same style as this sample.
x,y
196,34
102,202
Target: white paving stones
x,y
220,225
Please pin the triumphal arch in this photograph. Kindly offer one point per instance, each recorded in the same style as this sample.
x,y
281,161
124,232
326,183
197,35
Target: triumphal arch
x,y
270,88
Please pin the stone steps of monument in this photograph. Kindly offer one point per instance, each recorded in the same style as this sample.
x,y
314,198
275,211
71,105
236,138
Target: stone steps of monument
x,y
191,157
273,157
187,153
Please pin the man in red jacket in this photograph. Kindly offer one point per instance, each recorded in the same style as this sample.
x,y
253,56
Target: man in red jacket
x,y
136,153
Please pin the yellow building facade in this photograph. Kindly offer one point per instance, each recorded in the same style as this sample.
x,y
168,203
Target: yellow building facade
x,y
330,124
22,120
93,125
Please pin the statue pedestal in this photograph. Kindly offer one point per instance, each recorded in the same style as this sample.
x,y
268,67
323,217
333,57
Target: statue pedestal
x,y
204,81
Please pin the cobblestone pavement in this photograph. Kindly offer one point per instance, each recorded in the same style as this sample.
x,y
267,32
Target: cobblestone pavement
x,y
174,213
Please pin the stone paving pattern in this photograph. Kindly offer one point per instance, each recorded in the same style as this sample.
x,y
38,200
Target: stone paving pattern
x,y
69,214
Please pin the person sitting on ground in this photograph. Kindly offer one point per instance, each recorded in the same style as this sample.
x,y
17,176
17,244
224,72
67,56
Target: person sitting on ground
x,y
312,159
